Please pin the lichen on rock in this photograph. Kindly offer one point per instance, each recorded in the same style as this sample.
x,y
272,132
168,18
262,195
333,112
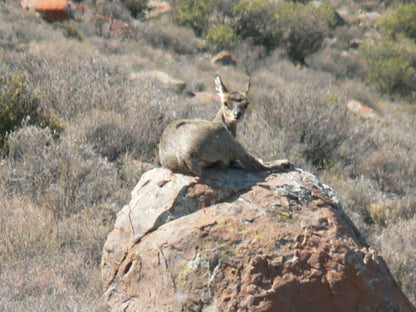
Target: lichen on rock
x,y
239,241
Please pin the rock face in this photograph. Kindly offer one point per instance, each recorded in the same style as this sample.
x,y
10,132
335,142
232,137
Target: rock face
x,y
238,241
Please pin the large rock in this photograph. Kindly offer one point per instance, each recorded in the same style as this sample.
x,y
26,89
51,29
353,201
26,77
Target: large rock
x,y
238,241
53,10
361,109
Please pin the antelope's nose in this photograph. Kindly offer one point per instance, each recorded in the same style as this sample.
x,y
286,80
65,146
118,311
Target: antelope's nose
x,y
237,115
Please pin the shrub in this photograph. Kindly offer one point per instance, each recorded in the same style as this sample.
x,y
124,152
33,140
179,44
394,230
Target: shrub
x,y
391,65
311,126
304,28
193,13
396,244
75,82
113,135
256,20
48,264
18,105
221,37
169,36
401,22
69,30
391,168
131,171
116,9
342,64
63,175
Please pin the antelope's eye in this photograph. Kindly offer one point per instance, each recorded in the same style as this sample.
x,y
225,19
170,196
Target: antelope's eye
x,y
226,104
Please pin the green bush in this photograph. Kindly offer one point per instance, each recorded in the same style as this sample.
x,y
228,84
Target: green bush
x,y
401,22
391,65
193,13
303,28
300,28
69,30
170,36
121,10
221,37
18,106
256,20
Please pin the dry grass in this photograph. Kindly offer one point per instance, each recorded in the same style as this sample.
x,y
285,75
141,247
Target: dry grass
x,y
48,264
60,193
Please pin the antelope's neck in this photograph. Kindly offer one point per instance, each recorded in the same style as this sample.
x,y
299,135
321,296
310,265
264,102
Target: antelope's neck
x,y
232,127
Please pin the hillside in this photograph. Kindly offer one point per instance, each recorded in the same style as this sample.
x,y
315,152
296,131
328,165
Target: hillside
x,y
83,102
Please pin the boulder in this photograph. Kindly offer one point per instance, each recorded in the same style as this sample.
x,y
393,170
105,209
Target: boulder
x,y
239,241
53,10
361,109
224,58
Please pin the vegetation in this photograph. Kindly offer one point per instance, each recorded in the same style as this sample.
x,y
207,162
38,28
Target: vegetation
x,y
80,120
18,108
303,28
257,20
194,13
391,65
221,37
401,23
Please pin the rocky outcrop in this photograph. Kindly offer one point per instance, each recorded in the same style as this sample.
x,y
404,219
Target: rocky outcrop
x,y
238,241
52,10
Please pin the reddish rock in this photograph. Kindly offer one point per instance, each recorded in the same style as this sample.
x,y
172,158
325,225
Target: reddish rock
x,y
361,109
156,9
59,10
238,241
224,58
52,10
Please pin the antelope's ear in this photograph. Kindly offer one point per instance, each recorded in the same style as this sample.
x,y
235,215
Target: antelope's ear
x,y
219,86
248,87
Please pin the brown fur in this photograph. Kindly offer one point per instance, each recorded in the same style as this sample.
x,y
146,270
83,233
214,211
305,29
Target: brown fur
x,y
189,146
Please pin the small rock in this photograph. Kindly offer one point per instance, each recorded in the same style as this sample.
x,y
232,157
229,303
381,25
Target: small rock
x,y
51,10
361,109
224,58
155,9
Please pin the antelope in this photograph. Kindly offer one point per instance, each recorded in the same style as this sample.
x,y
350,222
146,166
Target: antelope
x,y
190,145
